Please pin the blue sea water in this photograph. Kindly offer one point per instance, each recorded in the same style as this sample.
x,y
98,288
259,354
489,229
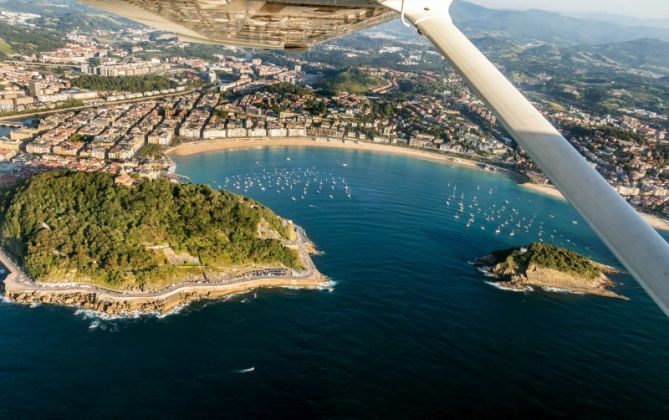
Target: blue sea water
x,y
409,329
4,131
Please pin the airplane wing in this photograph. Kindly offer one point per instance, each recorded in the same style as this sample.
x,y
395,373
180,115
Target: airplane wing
x,y
282,25
299,24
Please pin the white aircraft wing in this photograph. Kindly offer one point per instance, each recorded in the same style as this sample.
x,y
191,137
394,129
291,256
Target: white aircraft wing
x,y
283,25
298,24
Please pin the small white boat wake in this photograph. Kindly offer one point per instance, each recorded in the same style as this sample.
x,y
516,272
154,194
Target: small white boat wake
x,y
249,370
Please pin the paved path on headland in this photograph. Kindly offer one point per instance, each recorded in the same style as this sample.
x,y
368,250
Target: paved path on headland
x,y
18,281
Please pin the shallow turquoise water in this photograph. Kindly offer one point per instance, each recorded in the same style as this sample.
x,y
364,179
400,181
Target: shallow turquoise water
x,y
410,329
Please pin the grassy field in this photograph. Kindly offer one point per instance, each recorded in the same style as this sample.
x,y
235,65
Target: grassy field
x,y
5,48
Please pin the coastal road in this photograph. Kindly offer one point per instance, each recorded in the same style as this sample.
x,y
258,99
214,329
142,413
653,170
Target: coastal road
x,y
18,281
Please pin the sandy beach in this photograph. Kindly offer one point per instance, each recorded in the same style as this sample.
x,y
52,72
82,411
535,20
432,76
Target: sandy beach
x,y
550,190
187,149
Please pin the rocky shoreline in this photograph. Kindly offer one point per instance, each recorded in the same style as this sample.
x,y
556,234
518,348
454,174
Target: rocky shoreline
x,y
107,303
526,278
19,288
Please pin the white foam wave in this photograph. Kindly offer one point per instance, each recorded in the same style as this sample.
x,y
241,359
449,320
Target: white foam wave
x,y
107,322
329,286
559,290
500,286
5,299
486,272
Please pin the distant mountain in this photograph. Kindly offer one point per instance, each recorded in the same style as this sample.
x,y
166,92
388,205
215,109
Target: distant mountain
x,y
547,26
45,7
645,53
66,15
523,26
622,20
534,25
608,60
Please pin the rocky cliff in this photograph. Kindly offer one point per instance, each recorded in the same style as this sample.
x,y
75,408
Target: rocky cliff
x,y
549,267
113,304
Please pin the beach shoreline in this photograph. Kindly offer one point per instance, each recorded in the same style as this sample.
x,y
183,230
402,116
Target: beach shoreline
x,y
193,148
203,146
551,191
21,289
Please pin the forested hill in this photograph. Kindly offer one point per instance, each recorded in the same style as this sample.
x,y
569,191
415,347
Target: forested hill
x,y
351,80
84,226
26,40
534,25
144,83
543,255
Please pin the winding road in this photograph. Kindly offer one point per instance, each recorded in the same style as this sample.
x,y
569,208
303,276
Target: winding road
x,y
17,281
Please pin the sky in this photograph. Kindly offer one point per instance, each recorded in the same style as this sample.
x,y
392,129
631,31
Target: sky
x,y
657,9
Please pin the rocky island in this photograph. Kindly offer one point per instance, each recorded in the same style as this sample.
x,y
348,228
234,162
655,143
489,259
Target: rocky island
x,y
121,245
549,267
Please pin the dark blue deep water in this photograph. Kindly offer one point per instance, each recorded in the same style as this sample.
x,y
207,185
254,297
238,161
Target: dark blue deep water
x,y
409,329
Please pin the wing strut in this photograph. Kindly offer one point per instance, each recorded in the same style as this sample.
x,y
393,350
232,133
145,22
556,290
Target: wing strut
x,y
643,252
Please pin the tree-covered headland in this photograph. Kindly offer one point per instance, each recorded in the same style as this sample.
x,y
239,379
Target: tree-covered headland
x,y
85,227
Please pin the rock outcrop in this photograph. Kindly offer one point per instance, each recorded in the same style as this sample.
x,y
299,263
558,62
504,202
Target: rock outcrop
x,y
550,268
113,304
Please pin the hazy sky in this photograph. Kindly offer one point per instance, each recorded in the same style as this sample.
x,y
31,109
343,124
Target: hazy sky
x,y
639,8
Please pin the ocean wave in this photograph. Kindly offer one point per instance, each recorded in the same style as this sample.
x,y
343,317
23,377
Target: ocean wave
x,y
248,370
329,286
509,289
5,299
559,290
107,322
247,300
486,272
101,316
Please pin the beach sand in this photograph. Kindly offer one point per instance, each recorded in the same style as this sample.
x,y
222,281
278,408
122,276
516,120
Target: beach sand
x,y
547,189
187,149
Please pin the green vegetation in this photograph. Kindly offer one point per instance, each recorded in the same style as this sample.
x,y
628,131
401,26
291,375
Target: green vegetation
x,y
150,151
70,103
221,113
547,256
80,138
412,87
663,150
5,48
288,88
123,84
625,135
351,80
25,40
316,107
83,226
